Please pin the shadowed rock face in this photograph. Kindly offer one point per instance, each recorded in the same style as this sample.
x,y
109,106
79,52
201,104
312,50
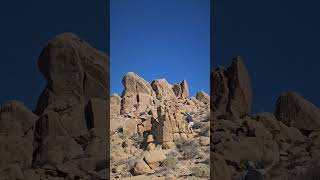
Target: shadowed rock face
x,y
280,144
67,135
232,89
293,110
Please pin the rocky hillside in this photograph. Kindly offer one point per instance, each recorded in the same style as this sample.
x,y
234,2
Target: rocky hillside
x,y
283,144
66,136
149,134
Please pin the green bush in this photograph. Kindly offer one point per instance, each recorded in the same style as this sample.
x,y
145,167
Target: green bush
x,y
201,170
170,162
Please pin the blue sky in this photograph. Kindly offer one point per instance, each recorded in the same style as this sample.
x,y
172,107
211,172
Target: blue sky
x,y
279,41
25,30
161,39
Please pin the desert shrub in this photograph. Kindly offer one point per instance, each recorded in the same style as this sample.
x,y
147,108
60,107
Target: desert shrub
x,y
170,162
165,172
201,170
189,149
137,140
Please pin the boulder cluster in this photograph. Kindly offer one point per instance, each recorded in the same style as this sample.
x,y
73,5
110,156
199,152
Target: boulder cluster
x,y
282,145
66,136
155,113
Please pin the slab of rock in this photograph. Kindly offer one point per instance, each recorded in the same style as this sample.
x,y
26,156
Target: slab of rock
x,y
232,92
293,110
250,148
115,104
16,119
184,89
141,167
220,99
203,97
137,92
239,84
154,156
53,145
97,116
163,89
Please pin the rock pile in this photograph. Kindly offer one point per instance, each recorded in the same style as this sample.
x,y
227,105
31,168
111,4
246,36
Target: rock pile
x,y
154,112
282,144
66,136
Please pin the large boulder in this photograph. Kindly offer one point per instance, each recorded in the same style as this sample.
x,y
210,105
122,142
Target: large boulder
x,y
240,98
232,89
16,119
73,70
250,148
293,110
163,89
16,135
137,93
75,73
220,97
53,145
203,97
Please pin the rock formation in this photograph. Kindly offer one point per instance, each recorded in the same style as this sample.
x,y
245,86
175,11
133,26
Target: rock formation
x,y
281,144
152,124
66,137
232,89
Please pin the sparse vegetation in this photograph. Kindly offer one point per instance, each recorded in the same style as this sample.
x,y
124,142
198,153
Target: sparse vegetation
x,y
201,170
137,140
171,162
189,149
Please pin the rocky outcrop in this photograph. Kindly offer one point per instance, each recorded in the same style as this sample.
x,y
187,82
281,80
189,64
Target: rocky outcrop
x,y
66,137
280,144
181,90
232,89
137,94
157,129
203,97
163,89
293,110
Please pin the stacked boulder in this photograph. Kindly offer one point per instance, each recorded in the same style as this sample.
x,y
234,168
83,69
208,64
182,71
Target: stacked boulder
x,y
155,110
281,144
148,122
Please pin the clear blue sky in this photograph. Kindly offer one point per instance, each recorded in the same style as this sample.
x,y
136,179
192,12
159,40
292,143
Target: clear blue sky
x,y
26,26
161,39
279,41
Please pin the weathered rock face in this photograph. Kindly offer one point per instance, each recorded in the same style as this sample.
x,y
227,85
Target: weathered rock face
x,y
74,71
52,142
169,125
293,110
184,89
137,94
203,97
115,104
232,89
280,144
220,99
163,89
16,135
67,136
